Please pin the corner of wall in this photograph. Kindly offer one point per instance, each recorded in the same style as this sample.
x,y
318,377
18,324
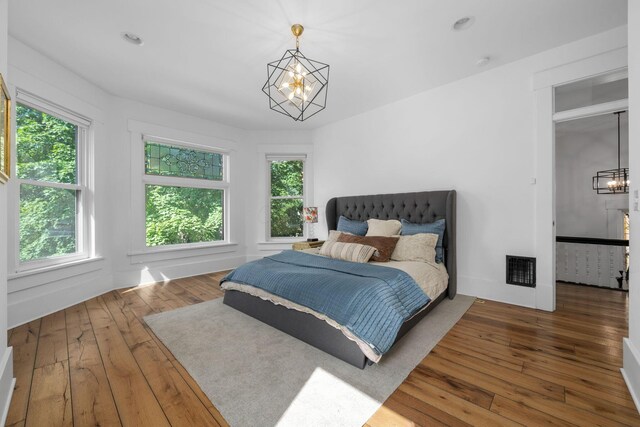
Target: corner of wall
x,y
7,383
631,370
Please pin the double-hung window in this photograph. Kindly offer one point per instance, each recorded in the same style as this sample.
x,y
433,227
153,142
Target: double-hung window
x,y
286,196
185,191
52,175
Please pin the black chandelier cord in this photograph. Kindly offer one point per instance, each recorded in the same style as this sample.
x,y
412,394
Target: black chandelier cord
x,y
618,113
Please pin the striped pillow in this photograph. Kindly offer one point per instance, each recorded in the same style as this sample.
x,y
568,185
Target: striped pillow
x,y
353,252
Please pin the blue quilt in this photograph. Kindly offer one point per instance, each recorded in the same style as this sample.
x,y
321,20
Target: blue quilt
x,y
371,301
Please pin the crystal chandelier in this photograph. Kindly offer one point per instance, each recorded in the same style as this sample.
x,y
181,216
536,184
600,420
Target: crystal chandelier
x,y
296,85
613,181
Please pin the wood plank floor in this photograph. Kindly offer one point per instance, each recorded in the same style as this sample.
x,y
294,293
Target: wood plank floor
x,y
99,364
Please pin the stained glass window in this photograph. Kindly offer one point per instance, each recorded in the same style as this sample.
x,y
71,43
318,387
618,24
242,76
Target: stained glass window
x,y
169,160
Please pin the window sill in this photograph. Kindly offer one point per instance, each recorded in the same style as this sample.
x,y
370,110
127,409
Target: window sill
x,y
180,251
278,245
175,248
283,241
49,268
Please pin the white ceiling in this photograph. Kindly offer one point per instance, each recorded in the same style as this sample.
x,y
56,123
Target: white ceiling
x,y
208,57
594,124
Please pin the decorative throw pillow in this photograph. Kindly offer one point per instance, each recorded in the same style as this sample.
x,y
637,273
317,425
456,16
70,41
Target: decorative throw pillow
x,y
359,228
436,227
378,227
384,245
333,235
353,252
418,247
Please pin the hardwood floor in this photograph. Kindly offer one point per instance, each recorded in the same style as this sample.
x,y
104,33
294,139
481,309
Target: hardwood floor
x,y
97,363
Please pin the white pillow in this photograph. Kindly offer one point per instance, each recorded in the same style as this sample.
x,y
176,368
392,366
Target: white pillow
x,y
378,227
353,252
417,247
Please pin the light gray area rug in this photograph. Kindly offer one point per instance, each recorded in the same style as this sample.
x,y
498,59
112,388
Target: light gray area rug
x,y
258,376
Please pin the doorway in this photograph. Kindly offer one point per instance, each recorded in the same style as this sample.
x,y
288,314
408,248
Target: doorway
x,y
592,182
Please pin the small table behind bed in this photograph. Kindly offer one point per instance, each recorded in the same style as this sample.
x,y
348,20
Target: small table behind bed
x,y
420,207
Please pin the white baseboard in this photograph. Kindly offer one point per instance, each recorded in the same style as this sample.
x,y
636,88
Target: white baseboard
x,y
7,383
631,369
152,274
496,291
255,257
30,304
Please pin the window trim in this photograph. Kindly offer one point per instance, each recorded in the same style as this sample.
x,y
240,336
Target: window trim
x,y
84,171
140,246
279,158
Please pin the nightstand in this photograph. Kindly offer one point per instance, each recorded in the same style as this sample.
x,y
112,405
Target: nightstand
x,y
300,246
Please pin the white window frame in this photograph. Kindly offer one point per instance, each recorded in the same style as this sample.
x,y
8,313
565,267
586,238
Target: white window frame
x,y
175,181
279,158
84,158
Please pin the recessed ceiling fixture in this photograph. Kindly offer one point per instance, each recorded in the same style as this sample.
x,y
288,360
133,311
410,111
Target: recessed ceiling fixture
x,y
296,85
133,39
481,62
463,23
613,181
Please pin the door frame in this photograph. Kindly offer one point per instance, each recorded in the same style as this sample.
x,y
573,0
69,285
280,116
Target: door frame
x,y
544,83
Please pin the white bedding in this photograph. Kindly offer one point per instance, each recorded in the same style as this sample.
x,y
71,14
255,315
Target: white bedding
x,y
431,277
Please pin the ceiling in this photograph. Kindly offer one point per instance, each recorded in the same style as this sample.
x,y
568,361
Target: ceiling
x,y
208,58
594,124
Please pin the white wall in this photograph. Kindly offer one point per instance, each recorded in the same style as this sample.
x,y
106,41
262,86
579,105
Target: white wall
x,y
632,344
6,360
265,143
129,119
476,136
38,292
580,152
117,121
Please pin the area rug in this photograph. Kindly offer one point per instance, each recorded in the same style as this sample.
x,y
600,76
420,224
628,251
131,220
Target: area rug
x,y
256,375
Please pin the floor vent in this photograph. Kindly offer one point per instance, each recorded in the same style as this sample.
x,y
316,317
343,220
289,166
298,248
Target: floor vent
x,y
521,271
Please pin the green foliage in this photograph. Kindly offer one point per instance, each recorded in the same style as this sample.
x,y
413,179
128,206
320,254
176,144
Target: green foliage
x,y
287,180
46,152
46,147
183,215
47,222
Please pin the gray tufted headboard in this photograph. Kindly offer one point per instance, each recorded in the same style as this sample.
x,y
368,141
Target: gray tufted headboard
x,y
421,207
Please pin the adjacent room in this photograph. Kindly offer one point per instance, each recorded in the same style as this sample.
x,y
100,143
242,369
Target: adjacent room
x,y
319,213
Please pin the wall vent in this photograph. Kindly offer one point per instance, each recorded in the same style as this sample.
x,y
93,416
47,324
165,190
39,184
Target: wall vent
x,y
521,271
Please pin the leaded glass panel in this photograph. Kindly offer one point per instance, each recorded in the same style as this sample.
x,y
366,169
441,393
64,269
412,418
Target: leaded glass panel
x,y
170,160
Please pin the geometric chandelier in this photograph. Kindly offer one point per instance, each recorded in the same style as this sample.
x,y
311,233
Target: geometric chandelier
x,y
613,181
296,85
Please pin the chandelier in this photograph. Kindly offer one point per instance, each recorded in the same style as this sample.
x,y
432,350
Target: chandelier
x,y
296,85
613,181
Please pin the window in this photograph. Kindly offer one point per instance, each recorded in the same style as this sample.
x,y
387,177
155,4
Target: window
x,y
51,171
286,197
184,194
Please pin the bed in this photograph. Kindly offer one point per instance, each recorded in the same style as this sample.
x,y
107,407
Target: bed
x,y
418,207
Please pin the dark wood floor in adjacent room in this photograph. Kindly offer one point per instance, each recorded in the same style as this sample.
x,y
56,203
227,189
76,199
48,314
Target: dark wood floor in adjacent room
x,y
97,363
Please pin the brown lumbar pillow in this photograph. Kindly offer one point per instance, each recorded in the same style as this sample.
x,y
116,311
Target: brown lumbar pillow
x,y
384,245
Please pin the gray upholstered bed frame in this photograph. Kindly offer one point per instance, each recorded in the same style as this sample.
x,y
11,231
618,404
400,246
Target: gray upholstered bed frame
x,y
420,207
